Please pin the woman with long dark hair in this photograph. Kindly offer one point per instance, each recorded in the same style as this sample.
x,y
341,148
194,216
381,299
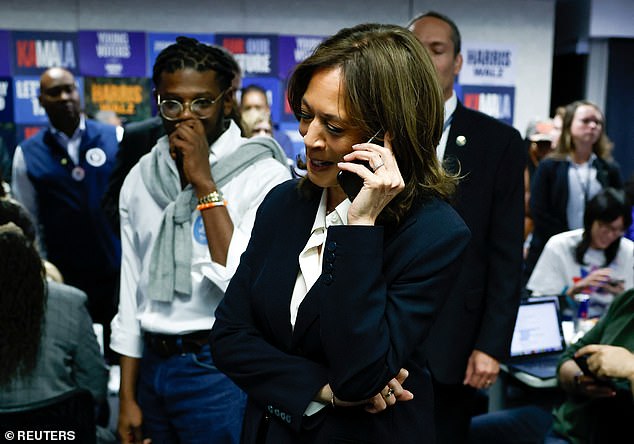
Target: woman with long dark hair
x,y
47,344
23,301
595,260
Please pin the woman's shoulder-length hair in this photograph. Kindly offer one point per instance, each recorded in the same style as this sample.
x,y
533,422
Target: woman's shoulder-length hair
x,y
603,146
390,84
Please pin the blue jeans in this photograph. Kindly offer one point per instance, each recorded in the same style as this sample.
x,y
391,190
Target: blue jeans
x,y
186,399
520,425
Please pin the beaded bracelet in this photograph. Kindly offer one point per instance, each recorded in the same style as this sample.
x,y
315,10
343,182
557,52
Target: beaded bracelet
x,y
206,206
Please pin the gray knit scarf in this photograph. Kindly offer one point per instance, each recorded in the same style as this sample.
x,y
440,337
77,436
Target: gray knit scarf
x,y
170,259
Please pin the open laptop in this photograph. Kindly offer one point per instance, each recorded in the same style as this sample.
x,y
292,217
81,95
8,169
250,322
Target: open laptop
x,y
538,339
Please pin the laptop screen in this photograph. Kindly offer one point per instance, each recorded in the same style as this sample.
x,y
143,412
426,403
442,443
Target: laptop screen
x,y
537,329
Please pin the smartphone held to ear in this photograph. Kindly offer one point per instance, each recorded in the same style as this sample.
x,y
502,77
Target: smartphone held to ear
x,y
350,182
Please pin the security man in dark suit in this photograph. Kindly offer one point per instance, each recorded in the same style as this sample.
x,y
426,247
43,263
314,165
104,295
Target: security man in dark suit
x,y
472,334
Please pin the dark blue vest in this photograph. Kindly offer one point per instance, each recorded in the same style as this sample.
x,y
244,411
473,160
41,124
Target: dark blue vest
x,y
75,231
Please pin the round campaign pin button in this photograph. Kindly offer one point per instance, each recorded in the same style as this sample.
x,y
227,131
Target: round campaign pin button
x,y
95,157
78,173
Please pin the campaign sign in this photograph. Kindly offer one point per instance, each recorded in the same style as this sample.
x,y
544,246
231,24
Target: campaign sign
x,y
5,67
496,101
35,51
6,100
488,64
255,53
112,53
274,93
294,49
129,97
157,42
26,105
23,132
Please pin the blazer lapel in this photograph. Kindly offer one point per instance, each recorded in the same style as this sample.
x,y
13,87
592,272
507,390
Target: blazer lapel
x,y
284,263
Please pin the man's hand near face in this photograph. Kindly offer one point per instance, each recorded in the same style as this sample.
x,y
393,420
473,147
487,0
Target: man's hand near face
x,y
190,139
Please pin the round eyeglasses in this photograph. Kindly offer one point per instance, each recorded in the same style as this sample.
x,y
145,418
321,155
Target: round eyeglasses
x,y
202,108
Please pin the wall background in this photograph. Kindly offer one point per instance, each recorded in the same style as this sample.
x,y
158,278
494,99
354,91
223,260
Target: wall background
x,y
527,25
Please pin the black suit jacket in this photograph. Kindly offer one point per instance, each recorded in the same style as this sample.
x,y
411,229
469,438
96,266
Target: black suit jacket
x,y
363,320
138,139
480,312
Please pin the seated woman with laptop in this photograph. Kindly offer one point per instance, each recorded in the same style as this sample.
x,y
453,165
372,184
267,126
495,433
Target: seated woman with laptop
x,y
594,262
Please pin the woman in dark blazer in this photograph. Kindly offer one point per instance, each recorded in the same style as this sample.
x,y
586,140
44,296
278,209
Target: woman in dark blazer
x,y
323,322
576,171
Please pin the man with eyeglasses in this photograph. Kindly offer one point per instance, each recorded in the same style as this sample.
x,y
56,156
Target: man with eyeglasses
x,y
140,137
186,211
59,175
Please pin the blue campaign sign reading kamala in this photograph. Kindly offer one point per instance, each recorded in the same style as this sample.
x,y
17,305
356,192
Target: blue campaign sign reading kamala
x,y
294,49
157,42
5,67
27,108
33,52
112,53
255,53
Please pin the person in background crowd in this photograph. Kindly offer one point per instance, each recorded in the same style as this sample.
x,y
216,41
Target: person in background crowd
x,y
558,121
595,260
474,329
253,97
111,118
539,140
140,137
47,343
59,175
13,211
186,210
326,315
257,123
568,178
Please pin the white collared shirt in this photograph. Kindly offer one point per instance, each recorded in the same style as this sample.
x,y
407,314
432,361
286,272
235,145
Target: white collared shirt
x,y
450,107
140,221
71,144
310,260
311,257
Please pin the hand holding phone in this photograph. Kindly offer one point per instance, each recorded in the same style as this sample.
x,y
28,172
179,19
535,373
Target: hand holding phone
x,y
582,362
350,182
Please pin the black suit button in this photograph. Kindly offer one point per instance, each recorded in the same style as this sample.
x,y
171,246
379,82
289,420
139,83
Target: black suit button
x,y
329,257
331,246
328,267
327,278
